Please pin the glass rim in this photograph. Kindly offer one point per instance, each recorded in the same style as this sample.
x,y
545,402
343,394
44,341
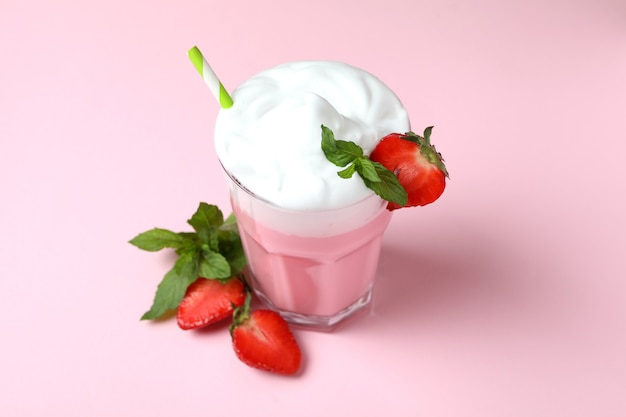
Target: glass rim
x,y
277,207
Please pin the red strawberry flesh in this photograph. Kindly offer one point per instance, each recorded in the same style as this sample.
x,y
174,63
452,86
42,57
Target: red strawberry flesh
x,y
209,301
416,164
264,341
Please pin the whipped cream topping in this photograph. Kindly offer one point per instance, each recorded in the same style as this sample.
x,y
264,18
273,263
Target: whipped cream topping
x,y
270,139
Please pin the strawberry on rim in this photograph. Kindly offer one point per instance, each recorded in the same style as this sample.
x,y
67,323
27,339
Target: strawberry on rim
x,y
404,169
417,165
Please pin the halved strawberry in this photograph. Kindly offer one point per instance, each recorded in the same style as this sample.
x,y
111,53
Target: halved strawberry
x,y
417,165
208,301
264,341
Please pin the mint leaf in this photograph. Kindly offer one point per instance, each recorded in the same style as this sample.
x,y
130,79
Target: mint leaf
x,y
230,245
212,251
388,188
157,239
206,218
174,285
339,152
366,169
231,248
236,259
213,265
347,172
375,176
190,236
350,149
229,222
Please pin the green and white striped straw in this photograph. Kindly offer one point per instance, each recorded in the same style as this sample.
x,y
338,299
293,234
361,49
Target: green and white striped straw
x,y
209,77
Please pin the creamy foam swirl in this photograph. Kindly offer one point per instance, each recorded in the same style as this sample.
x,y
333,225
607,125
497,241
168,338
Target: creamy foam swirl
x,y
270,139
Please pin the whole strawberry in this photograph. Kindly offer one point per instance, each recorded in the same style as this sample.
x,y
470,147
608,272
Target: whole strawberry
x,y
417,165
264,341
208,301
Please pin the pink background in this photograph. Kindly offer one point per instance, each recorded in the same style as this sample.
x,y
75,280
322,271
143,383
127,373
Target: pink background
x,y
505,298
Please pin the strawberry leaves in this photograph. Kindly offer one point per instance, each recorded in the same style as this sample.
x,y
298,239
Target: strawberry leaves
x,y
376,177
427,149
212,251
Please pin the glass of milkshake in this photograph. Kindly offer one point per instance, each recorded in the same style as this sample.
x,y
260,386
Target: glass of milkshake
x,y
312,239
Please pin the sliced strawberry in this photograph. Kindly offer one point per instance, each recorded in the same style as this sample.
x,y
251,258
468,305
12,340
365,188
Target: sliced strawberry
x,y
208,301
417,165
264,341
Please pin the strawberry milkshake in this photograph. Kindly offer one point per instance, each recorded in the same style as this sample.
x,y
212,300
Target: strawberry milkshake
x,y
311,237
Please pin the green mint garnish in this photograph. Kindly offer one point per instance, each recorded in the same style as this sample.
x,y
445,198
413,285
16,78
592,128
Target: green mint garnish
x,y
375,176
157,239
212,251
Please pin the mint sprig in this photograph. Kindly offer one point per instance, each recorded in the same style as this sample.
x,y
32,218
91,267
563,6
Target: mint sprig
x,y
213,250
349,155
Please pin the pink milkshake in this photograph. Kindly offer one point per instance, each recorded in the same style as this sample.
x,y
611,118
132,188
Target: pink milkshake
x,y
312,239
311,280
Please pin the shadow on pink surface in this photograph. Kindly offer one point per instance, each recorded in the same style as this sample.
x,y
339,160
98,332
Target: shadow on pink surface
x,y
467,277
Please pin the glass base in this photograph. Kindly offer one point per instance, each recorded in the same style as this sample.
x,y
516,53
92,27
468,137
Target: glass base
x,y
321,323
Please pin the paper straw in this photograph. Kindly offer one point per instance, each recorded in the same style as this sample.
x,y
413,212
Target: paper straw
x,y
209,77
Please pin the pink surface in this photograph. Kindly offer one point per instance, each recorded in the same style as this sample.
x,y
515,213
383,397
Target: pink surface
x,y
505,298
